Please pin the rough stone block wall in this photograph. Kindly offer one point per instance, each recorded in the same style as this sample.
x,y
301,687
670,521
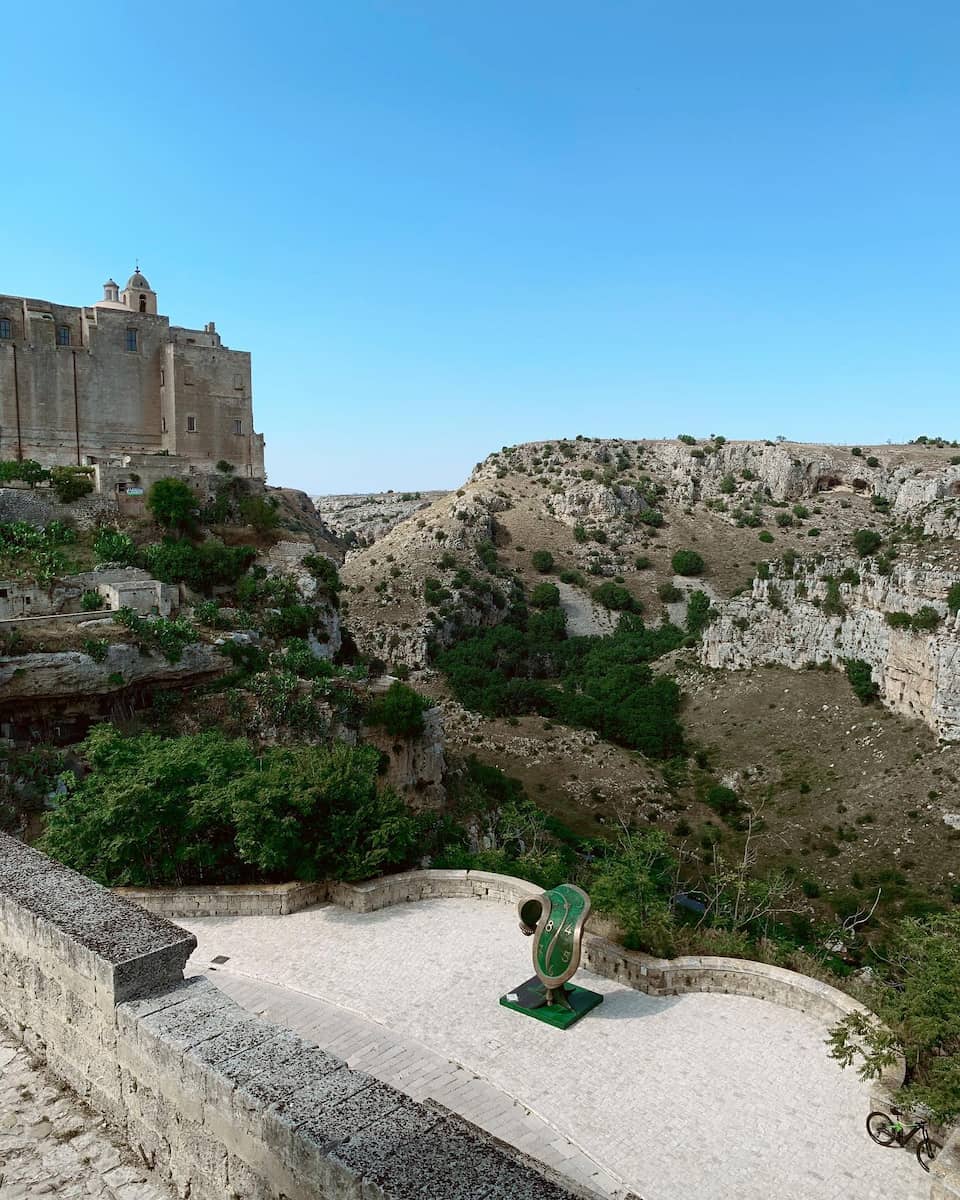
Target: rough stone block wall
x,y
225,1105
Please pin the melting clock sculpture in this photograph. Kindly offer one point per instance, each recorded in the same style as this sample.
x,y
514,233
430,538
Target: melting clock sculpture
x,y
555,920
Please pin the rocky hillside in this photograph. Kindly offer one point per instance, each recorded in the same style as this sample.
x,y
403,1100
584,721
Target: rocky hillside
x,y
359,520
774,524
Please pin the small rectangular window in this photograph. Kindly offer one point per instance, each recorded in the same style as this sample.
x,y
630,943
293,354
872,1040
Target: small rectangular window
x,y
163,424
3,593
238,427
163,377
63,335
131,339
191,424
5,328
188,376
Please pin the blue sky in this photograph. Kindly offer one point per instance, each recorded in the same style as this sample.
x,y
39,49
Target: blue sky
x,y
445,226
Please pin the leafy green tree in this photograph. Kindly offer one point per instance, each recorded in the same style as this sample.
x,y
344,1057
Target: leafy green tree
x,y
173,504
542,561
916,998
204,808
687,562
399,710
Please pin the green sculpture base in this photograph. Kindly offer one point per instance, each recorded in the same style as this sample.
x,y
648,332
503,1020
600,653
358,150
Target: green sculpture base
x,y
530,998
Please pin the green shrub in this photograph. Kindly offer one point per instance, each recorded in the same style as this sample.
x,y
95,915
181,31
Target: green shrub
x,y
542,561
698,613
860,675
616,598
26,470
71,483
784,520
399,711
545,595
873,461
95,649
687,562
91,601
173,504
168,636
687,439
801,512
953,598
856,452
202,567
728,485
202,808
224,467
669,593
324,571
110,545
923,620
260,512
765,536
642,563
866,541
579,533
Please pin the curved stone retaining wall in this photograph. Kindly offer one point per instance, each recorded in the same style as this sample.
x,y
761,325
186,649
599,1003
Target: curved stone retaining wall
x,y
655,976
225,1105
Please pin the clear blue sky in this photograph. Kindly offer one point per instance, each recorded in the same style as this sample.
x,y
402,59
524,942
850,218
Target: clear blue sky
x,y
445,226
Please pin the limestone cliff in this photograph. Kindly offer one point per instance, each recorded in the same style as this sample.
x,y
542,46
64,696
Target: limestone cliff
x,y
836,610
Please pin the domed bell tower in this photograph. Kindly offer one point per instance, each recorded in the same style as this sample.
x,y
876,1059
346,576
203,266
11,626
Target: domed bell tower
x,y
138,296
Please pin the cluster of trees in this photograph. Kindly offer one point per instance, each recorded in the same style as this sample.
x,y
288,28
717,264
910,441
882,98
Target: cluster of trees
x,y
204,808
529,665
69,483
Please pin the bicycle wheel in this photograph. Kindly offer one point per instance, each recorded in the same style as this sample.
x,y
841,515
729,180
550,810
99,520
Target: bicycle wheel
x,y
881,1128
927,1151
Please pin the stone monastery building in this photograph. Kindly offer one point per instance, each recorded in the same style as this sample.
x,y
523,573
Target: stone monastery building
x,y
90,385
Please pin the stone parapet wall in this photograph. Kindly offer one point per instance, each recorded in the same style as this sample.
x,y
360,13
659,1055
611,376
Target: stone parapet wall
x,y
225,1105
240,900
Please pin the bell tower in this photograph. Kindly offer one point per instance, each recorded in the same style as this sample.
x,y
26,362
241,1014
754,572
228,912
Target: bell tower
x,y
138,296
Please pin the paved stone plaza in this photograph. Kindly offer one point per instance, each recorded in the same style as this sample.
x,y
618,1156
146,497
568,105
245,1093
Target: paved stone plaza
x,y
707,1096
51,1146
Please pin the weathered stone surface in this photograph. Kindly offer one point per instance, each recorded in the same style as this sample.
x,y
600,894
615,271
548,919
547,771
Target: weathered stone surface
x,y
918,674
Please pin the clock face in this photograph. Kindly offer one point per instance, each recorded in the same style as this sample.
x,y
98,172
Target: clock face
x,y
556,952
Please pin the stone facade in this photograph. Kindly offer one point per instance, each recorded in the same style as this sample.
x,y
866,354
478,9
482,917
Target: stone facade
x,y
89,385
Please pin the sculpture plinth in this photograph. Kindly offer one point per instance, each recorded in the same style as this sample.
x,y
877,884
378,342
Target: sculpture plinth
x,y
555,919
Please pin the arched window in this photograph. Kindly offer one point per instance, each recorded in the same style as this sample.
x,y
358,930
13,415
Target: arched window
x,y
143,304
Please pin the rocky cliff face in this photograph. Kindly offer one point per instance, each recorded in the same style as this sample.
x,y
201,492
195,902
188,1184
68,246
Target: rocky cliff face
x,y
72,675
836,610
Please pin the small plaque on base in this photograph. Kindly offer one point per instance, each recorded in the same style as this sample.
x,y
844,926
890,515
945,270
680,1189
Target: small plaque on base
x,y
530,998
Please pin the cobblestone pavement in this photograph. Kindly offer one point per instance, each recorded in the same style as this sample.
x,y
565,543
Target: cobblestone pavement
x,y
700,1097
50,1145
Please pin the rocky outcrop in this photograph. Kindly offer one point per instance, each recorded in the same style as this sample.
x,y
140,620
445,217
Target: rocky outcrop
x,y
72,674
286,558
813,617
416,765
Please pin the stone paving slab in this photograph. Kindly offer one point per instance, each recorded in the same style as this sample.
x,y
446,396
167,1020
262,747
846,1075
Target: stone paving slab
x,y
52,1146
707,1096
412,1068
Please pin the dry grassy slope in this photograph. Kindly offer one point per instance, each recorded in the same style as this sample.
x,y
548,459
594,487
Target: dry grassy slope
x,y
795,745
535,496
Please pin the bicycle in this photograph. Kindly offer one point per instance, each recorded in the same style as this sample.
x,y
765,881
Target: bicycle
x,y
889,1131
